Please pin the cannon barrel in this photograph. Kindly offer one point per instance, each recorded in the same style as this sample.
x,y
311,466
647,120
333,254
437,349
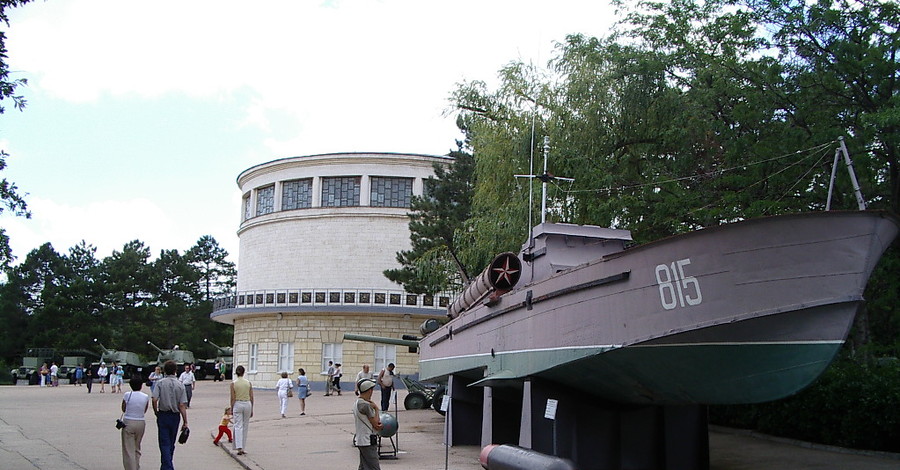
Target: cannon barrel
x,y
156,347
223,350
381,340
508,457
105,351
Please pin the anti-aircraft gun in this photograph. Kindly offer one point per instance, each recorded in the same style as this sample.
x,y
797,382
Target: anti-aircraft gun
x,y
131,362
207,368
180,356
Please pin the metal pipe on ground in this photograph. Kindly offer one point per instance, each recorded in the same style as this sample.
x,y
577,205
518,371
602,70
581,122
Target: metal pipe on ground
x,y
508,457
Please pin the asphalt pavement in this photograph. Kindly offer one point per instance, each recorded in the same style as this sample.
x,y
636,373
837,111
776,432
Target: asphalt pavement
x,y
65,428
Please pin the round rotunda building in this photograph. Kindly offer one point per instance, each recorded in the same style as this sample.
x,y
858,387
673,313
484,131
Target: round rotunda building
x,y
316,234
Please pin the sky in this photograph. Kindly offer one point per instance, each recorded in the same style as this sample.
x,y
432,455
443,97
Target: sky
x,y
141,115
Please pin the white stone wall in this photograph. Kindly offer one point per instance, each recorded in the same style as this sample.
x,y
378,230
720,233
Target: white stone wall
x,y
323,248
316,248
308,332
341,247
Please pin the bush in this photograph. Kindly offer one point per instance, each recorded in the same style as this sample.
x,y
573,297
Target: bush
x,y
5,376
850,405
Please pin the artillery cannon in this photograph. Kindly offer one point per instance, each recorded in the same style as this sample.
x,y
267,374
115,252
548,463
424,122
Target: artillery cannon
x,y
180,356
420,396
131,362
208,367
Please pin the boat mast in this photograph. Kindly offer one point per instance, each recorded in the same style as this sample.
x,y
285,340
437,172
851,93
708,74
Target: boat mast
x,y
860,201
545,178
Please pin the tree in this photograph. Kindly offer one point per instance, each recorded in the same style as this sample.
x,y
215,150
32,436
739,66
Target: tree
x,y
9,196
127,288
436,218
217,274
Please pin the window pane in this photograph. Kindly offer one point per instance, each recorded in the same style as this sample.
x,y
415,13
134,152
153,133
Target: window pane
x,y
331,352
285,357
384,355
391,192
265,200
254,352
296,194
340,192
247,213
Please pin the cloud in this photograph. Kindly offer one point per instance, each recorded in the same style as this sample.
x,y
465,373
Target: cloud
x,y
107,225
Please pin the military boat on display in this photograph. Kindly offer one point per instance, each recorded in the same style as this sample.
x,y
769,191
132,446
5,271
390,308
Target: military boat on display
x,y
740,313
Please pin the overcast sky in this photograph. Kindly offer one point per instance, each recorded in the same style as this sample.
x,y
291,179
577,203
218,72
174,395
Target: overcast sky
x,y
141,115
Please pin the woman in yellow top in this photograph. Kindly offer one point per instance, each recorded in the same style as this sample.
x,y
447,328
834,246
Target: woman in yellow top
x,y
242,407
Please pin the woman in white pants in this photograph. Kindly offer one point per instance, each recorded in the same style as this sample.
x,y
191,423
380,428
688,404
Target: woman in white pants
x,y
284,384
242,408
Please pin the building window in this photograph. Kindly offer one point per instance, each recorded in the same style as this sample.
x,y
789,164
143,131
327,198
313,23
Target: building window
x,y
331,352
340,191
254,355
247,213
296,194
391,192
384,355
265,200
285,357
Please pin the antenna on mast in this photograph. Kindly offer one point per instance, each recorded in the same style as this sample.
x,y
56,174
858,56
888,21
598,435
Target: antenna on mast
x,y
545,178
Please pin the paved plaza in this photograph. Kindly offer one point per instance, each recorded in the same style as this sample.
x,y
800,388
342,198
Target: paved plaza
x,y
65,428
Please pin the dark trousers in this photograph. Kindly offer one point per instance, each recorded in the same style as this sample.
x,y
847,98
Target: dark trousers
x,y
189,391
167,423
386,397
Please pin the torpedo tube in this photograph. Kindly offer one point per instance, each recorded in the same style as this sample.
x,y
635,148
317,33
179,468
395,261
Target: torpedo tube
x,y
500,276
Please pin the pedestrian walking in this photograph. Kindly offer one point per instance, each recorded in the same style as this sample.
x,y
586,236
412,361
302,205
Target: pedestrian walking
x,y
223,427
134,407
242,407
170,407
283,390
302,390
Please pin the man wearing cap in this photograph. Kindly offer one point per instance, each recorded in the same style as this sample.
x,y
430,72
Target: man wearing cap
x,y
368,424
170,406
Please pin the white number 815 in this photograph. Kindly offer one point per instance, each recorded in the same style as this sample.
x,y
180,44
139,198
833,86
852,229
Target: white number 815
x,y
675,288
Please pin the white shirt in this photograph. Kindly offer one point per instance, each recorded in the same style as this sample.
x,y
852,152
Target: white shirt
x,y
135,405
102,372
283,385
187,378
53,369
364,375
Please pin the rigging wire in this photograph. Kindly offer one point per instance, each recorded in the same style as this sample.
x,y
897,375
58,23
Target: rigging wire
x,y
821,147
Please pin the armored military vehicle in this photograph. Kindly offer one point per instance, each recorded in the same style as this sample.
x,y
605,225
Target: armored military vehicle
x,y
131,362
180,356
207,368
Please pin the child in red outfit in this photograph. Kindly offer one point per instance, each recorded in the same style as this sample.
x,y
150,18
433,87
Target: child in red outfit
x,y
223,427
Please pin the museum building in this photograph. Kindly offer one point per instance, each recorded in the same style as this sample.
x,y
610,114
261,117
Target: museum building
x,y
315,236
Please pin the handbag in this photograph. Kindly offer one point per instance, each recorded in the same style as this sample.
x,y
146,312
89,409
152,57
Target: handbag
x,y
290,392
119,423
183,437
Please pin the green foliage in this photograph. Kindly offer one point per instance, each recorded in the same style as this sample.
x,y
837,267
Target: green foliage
x,y
124,300
10,199
436,219
850,405
217,274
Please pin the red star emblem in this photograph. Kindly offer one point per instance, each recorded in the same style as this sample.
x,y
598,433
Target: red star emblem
x,y
505,272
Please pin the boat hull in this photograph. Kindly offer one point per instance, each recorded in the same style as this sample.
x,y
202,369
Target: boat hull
x,y
741,313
